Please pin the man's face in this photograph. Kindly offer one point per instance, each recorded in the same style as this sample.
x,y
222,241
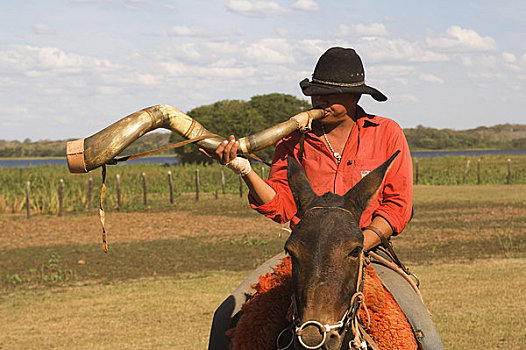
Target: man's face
x,y
336,106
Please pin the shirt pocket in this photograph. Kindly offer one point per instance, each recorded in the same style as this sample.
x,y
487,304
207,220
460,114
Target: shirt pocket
x,y
363,167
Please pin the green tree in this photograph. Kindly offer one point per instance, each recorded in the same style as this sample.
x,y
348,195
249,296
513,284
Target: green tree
x,y
241,118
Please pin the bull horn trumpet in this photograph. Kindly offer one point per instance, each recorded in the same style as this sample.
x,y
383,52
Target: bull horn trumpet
x,y
87,154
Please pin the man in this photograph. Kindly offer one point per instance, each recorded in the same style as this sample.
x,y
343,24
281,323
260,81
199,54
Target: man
x,y
343,146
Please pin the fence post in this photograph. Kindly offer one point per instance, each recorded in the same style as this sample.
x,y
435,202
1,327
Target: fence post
x,y
144,197
416,171
223,181
240,186
197,185
171,185
118,178
466,171
217,194
60,197
509,171
90,192
28,210
478,172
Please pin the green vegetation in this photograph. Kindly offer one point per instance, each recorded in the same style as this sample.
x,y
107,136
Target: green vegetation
x,y
45,180
502,136
242,118
450,170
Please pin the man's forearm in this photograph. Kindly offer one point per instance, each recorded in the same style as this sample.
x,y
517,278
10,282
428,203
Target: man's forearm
x,y
370,238
260,191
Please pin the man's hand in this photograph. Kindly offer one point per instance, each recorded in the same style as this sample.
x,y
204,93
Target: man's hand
x,y
225,152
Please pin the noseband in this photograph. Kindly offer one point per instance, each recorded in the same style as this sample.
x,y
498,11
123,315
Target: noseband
x,y
349,319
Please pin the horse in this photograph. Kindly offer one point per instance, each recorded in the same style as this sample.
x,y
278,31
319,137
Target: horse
x,y
328,261
316,296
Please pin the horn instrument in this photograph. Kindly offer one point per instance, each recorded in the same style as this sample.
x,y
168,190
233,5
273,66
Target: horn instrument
x,y
89,153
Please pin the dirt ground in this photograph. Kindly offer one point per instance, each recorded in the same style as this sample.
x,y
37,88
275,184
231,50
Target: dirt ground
x,y
18,232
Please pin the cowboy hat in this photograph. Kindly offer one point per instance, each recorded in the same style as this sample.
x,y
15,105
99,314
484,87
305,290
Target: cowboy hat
x,y
339,71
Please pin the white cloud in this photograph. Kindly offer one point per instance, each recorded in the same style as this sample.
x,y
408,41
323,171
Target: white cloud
x,y
431,78
91,1
306,5
385,70
255,8
466,61
135,78
509,57
383,49
181,69
274,51
187,31
43,29
37,60
367,30
405,98
460,39
19,110
510,61
109,90
169,6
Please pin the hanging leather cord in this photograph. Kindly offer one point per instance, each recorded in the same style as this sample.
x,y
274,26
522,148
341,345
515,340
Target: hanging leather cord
x,y
115,161
101,211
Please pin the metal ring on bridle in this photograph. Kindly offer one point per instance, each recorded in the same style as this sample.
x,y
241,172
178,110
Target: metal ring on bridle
x,y
278,346
317,324
323,328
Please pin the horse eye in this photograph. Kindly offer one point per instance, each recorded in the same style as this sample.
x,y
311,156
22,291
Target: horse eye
x,y
355,252
289,253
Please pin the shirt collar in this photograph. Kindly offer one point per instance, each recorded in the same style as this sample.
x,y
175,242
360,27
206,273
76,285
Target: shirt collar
x,y
365,120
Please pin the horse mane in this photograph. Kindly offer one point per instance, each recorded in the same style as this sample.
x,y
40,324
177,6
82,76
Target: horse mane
x,y
267,313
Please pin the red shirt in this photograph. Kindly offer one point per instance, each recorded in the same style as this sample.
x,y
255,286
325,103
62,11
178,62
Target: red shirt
x,y
371,142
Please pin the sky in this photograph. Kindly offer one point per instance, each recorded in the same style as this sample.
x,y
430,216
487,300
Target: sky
x,y
69,68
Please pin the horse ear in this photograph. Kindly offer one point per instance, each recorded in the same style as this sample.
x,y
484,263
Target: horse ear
x,y
299,185
359,196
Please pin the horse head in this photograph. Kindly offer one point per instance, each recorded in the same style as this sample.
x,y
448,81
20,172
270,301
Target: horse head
x,y
326,249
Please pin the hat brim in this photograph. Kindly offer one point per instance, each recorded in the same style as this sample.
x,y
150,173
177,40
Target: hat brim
x,y
310,88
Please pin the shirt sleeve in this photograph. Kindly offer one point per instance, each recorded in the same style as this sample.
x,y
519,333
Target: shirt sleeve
x,y
282,207
397,193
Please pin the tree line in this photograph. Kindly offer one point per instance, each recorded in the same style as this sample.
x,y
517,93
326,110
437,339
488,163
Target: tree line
x,y
243,118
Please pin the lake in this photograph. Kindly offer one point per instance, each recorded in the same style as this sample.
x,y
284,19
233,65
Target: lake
x,y
172,160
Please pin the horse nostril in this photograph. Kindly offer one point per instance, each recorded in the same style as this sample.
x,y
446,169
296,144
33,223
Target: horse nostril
x,y
333,339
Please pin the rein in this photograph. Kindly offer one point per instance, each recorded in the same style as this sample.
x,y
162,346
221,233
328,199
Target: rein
x,y
348,320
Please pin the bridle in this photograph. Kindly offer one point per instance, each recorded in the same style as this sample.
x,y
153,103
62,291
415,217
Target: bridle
x,y
348,321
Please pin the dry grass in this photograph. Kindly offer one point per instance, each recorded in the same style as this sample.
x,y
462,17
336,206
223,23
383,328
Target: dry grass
x,y
475,306
467,244
142,314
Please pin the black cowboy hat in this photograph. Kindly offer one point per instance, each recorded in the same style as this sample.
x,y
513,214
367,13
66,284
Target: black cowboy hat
x,y
339,71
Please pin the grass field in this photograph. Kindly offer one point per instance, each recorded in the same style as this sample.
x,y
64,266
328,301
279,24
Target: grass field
x,y
168,269
44,182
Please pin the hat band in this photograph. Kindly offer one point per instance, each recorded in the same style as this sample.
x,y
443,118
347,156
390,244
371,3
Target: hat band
x,y
339,84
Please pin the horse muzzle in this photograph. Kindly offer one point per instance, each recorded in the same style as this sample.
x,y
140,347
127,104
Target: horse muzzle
x,y
312,335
